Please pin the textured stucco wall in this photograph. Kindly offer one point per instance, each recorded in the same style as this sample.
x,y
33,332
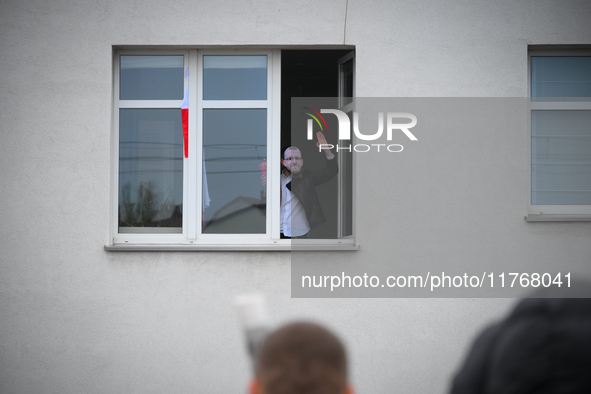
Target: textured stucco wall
x,y
74,318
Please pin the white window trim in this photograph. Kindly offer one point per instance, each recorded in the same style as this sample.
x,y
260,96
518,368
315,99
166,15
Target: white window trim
x,y
191,238
350,107
554,213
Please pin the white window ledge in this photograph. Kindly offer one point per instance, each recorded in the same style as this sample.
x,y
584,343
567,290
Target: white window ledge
x,y
231,248
557,218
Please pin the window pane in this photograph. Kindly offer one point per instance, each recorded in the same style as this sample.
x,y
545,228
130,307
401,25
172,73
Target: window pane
x,y
150,170
561,76
234,148
561,157
234,77
152,78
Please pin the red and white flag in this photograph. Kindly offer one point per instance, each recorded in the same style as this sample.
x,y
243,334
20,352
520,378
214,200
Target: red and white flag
x,y
185,115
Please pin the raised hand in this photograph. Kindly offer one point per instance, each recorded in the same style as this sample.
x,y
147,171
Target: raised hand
x,y
321,140
321,143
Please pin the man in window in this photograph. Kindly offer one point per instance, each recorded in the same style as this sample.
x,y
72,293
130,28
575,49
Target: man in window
x,y
300,207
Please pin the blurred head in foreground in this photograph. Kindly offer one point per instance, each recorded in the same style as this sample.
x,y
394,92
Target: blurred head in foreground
x,y
301,358
542,347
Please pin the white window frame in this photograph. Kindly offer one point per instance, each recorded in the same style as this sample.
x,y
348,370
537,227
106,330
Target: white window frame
x,y
346,108
554,212
191,237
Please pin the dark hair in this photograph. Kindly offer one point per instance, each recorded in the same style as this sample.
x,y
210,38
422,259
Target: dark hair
x,y
542,347
302,358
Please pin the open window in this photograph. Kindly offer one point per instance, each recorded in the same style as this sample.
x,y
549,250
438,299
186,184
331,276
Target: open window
x,y
322,74
210,179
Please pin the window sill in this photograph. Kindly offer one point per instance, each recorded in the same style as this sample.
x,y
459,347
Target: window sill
x,y
284,247
557,218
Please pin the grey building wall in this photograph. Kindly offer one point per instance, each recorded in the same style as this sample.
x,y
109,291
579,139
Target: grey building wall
x,y
74,318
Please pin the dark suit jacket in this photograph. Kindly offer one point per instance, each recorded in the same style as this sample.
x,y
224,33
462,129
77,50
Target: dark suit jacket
x,y
304,188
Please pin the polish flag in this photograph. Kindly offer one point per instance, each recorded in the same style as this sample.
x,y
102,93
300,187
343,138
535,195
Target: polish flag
x,y
185,116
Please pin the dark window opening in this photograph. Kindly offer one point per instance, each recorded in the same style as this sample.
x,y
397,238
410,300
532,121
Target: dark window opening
x,y
312,73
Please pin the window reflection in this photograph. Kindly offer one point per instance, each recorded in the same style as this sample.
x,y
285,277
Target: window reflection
x,y
150,170
234,77
234,146
561,157
561,76
151,78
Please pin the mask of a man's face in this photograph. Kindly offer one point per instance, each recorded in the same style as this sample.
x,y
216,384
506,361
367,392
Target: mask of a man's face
x,y
293,161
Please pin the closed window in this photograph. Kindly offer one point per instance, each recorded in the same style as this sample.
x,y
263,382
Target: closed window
x,y
560,133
